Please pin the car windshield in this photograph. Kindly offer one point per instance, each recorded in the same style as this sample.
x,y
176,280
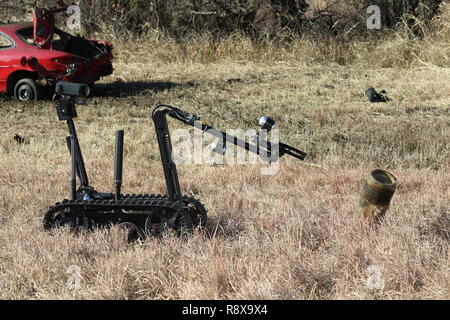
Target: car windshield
x,y
5,42
65,42
26,35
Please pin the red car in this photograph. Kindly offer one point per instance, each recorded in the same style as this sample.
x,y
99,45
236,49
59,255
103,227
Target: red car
x,y
33,57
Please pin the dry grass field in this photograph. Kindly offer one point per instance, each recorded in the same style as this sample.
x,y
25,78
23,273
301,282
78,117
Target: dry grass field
x,y
290,236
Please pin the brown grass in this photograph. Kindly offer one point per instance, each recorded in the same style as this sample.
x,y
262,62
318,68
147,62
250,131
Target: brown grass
x,y
289,237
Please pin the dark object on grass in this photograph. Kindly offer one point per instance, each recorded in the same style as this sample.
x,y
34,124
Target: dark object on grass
x,y
231,81
19,139
374,96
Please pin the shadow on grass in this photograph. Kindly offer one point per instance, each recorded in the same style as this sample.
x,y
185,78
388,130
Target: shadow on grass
x,y
119,89
223,228
135,88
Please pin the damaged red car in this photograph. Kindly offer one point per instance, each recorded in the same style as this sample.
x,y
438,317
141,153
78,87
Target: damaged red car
x,y
33,57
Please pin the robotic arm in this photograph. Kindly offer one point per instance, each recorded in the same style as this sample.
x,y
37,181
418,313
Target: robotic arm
x,y
268,151
260,147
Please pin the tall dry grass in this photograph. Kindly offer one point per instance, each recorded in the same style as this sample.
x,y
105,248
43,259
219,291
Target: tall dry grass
x,y
291,236
400,48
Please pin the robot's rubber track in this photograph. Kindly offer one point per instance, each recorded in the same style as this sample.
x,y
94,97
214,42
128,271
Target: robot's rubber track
x,y
142,203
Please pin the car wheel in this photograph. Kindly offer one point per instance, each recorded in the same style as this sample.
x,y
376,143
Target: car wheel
x,y
27,90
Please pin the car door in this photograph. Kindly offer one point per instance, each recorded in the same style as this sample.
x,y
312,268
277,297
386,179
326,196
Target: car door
x,y
6,44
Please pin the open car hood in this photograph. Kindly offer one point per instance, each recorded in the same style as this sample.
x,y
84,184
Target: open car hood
x,y
44,27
